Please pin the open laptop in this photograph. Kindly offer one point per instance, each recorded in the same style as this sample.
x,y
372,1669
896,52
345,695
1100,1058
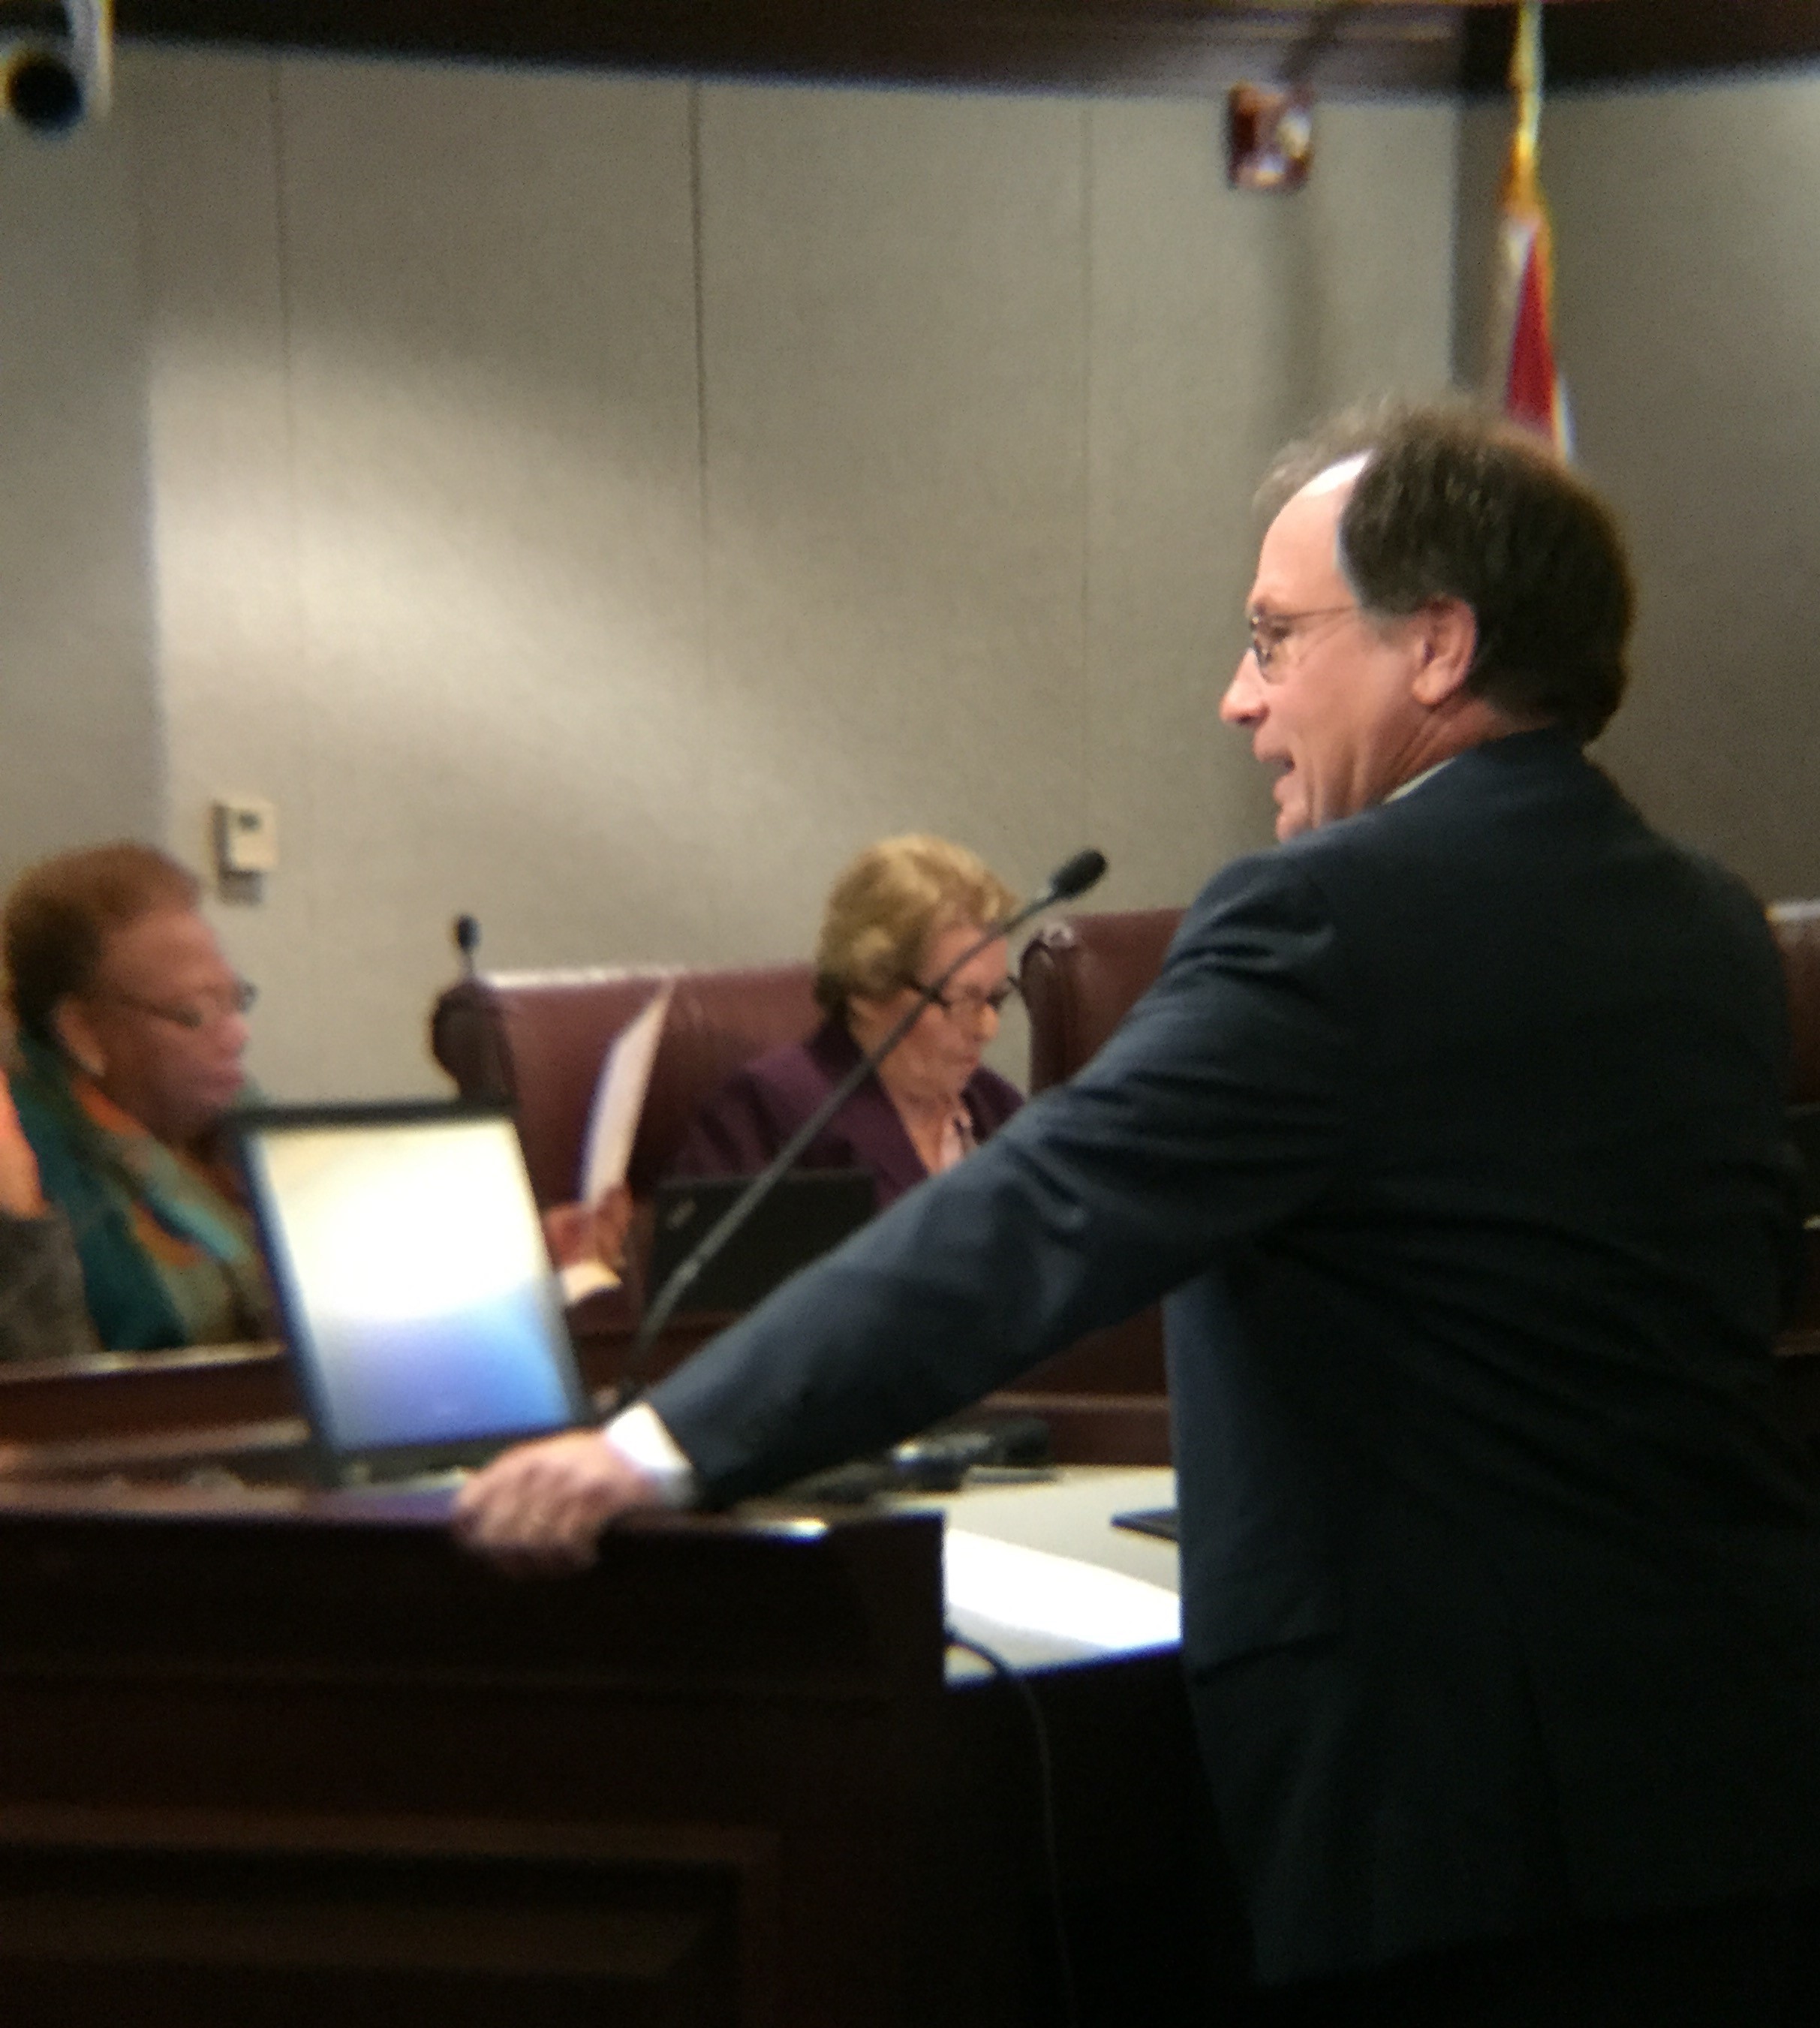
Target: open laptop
x,y
416,1298
808,1212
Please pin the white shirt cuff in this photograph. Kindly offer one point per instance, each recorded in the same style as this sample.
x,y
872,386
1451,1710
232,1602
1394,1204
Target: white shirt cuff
x,y
638,1435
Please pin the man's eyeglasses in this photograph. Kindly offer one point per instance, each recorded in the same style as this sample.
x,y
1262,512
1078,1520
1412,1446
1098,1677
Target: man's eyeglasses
x,y
203,1012
1269,631
956,1000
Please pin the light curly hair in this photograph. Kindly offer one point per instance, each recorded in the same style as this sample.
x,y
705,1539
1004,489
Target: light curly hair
x,y
889,904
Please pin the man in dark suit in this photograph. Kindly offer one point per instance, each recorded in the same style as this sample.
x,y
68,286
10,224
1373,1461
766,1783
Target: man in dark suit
x,y
1453,1129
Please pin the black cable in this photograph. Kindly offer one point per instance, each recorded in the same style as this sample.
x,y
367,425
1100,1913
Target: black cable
x,y
1051,1843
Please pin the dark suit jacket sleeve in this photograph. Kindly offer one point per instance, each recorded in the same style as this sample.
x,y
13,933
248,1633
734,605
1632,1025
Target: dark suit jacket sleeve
x,y
1217,1113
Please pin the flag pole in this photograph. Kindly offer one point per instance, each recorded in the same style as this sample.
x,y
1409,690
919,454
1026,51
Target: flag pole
x,y
1525,82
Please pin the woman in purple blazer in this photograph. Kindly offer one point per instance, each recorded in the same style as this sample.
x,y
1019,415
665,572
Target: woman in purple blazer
x,y
902,913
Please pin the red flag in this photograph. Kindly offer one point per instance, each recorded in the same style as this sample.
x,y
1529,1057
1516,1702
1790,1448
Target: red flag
x,y
1528,382
1532,385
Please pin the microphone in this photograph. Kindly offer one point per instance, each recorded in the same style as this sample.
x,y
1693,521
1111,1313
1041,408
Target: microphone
x,y
467,934
1073,876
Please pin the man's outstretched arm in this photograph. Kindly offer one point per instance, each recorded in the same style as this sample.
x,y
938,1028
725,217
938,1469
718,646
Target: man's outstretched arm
x,y
1218,1112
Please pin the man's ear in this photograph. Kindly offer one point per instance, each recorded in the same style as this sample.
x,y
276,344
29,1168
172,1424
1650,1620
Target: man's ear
x,y
76,1038
1446,635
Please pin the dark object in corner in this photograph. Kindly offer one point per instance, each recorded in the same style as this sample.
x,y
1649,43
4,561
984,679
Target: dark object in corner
x,y
936,1461
1804,1132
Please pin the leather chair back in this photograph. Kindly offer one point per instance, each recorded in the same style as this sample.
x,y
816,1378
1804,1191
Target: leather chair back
x,y
1797,925
536,1039
1080,975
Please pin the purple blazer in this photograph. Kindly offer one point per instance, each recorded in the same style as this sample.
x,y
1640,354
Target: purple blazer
x,y
758,1109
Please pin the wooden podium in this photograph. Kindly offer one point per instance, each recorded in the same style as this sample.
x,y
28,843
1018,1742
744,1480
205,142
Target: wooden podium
x,y
275,1756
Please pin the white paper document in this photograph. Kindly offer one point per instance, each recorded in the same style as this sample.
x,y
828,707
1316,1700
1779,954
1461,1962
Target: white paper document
x,y
1080,1607
619,1098
613,1125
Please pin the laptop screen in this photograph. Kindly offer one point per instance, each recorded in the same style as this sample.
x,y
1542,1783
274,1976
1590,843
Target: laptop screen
x,y
807,1212
408,1265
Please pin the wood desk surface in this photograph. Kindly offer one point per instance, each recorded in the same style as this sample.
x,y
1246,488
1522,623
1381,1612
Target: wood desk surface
x,y
134,1395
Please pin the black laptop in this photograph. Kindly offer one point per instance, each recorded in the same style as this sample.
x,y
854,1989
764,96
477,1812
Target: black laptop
x,y
416,1296
808,1212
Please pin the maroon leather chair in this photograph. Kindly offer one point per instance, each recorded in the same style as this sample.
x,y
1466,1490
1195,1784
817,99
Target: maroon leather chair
x,y
1797,925
1080,976
536,1040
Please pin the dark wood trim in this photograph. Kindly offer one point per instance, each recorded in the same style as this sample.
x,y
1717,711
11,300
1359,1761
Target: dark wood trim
x,y
1610,41
1136,45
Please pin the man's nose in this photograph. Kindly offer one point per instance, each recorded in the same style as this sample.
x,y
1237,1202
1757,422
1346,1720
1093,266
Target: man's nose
x,y
1244,698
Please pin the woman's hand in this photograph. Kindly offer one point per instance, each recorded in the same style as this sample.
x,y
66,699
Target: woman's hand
x,y
21,1194
576,1233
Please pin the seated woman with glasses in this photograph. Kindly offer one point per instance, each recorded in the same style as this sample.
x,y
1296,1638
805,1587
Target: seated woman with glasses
x,y
898,916
132,1025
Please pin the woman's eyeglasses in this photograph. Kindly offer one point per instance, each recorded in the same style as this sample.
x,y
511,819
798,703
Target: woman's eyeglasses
x,y
963,1000
204,1012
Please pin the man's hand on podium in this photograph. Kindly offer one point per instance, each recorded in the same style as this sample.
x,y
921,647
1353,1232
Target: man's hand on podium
x,y
538,1510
